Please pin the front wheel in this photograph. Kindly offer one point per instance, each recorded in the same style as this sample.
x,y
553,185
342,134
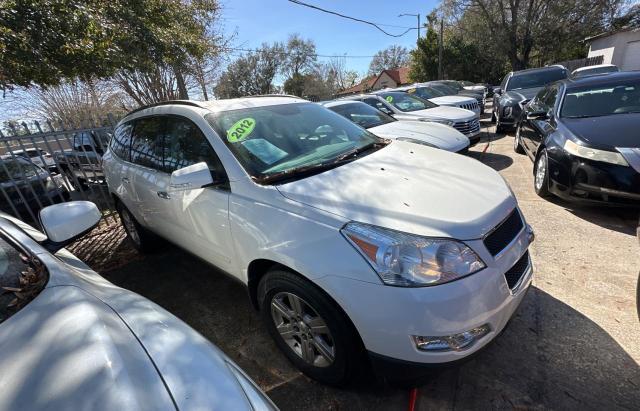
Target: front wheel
x,y
541,175
309,328
141,238
517,144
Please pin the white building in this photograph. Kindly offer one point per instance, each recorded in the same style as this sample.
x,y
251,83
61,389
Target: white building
x,y
621,48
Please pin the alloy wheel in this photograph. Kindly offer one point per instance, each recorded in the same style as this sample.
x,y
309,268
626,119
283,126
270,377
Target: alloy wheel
x,y
130,226
302,329
541,171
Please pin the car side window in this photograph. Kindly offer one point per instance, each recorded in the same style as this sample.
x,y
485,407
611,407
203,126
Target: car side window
x,y
549,100
121,142
185,145
146,143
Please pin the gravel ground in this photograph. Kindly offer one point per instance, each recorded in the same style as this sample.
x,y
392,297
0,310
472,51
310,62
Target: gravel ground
x,y
573,344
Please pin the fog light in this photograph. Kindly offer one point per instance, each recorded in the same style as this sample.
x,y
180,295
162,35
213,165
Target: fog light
x,y
456,342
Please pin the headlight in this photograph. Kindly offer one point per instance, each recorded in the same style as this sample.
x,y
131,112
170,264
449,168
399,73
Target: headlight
x,y
612,157
408,260
413,140
445,122
259,401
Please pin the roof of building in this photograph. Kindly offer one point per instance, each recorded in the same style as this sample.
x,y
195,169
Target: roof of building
x,y
611,33
399,75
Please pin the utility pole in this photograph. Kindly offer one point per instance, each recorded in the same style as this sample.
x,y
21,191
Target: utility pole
x,y
414,15
440,50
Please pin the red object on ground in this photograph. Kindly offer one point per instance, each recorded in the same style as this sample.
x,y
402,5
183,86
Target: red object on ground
x,y
413,396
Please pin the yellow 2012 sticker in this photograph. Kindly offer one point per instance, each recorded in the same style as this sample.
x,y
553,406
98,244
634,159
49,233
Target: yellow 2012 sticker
x,y
389,99
240,130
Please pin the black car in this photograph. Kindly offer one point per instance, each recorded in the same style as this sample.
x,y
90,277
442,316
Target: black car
x,y
25,188
583,137
516,89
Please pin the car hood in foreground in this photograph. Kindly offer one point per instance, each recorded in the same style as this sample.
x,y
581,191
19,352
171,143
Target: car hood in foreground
x,y
440,135
411,188
617,130
442,112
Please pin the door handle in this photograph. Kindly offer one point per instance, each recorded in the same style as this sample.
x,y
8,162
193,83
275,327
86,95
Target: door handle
x,y
125,180
163,195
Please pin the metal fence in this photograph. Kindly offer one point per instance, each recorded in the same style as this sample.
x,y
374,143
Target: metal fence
x,y
45,163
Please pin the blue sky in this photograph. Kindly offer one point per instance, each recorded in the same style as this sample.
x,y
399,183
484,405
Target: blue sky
x,y
258,21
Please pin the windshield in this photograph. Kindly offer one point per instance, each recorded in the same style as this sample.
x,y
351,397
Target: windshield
x,y
16,169
362,114
425,92
595,70
406,102
444,89
454,85
268,140
535,79
602,100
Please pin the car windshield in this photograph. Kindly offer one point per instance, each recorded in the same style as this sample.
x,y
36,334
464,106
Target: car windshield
x,y
602,100
444,89
362,114
406,102
272,140
535,79
16,169
424,92
454,85
595,70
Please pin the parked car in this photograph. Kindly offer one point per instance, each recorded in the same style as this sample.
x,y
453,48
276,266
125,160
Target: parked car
x,y
582,135
516,89
404,106
382,125
25,188
449,90
349,244
437,97
592,70
467,85
81,164
37,156
74,341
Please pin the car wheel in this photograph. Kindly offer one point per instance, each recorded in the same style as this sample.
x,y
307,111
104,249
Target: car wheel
x,y
309,328
141,238
493,116
541,175
517,144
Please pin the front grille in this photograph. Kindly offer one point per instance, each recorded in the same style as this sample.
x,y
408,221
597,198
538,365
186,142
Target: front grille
x,y
516,272
502,235
469,106
468,127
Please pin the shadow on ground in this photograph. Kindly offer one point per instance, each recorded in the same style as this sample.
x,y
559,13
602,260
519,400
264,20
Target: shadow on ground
x,y
496,161
551,356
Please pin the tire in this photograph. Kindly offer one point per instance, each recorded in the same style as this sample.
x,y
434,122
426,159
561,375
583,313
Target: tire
x,y
541,181
500,129
142,239
334,353
493,116
517,145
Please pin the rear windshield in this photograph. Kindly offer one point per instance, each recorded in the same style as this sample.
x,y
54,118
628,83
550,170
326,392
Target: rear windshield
x,y
362,114
406,102
535,79
602,100
596,70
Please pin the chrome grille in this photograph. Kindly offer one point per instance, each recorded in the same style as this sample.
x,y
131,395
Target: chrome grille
x,y
468,127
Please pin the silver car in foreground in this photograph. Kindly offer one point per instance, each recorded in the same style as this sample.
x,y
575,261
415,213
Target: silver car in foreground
x,y
71,340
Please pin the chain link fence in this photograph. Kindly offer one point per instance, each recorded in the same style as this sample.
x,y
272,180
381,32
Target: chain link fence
x,y
45,163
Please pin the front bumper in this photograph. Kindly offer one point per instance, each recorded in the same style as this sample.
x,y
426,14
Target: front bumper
x,y
580,179
387,317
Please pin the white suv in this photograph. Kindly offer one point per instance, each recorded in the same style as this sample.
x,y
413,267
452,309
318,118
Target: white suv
x,y
348,243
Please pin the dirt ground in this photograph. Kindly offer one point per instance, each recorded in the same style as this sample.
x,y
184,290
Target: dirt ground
x,y
573,344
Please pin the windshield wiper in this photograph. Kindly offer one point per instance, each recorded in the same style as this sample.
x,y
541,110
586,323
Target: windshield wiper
x,y
311,169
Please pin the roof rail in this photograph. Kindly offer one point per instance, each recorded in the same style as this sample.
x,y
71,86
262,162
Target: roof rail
x,y
166,103
274,95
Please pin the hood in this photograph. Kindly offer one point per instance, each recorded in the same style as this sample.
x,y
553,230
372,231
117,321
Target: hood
x,y
67,350
475,88
447,100
443,113
521,95
411,188
617,130
440,135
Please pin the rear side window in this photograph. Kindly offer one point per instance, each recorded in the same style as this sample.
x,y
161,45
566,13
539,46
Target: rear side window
x,y
146,144
185,145
121,141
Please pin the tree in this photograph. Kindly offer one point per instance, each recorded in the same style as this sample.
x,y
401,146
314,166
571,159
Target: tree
x,y
47,42
300,56
252,73
424,59
390,58
344,78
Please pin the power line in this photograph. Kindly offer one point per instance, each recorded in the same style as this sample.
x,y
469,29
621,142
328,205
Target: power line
x,y
284,52
300,3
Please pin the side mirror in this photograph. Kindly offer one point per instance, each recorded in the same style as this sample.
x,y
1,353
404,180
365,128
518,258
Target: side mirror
x,y
537,115
65,222
189,178
497,91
